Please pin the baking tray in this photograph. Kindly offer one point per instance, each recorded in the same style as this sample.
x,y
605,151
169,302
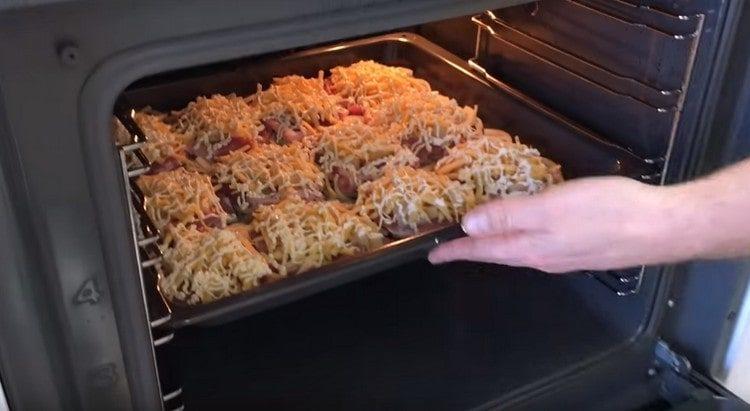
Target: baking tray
x,y
580,152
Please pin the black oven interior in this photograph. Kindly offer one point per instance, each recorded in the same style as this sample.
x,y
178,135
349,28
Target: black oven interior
x,y
602,86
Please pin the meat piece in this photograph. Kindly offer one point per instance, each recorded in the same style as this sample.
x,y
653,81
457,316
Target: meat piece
x,y
213,221
272,129
168,164
259,243
289,136
255,202
227,199
230,201
311,195
198,150
352,108
356,110
426,157
235,143
343,181
431,156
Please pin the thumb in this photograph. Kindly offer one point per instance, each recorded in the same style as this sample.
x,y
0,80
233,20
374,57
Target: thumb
x,y
503,216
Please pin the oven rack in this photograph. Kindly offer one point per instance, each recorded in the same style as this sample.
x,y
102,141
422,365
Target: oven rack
x,y
556,71
134,163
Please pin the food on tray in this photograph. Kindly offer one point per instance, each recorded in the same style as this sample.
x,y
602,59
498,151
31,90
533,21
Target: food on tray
x,y
164,147
494,166
320,168
407,200
217,125
181,197
258,176
293,107
298,235
427,123
366,83
351,153
203,266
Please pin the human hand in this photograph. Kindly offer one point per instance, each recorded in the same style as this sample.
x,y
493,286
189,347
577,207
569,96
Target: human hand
x,y
587,224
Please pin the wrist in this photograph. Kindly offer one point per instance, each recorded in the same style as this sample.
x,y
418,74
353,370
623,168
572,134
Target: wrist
x,y
684,221
669,224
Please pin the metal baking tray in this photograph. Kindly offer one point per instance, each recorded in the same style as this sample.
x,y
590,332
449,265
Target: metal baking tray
x,y
580,152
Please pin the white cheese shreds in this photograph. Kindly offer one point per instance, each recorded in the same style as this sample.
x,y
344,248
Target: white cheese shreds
x,y
424,121
359,151
370,83
201,267
267,170
409,197
494,166
180,197
302,235
210,122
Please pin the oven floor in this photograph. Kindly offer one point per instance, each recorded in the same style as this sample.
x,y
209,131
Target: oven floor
x,y
452,337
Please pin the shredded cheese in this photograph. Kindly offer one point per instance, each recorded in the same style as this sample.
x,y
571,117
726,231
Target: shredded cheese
x,y
493,166
268,169
360,150
410,197
297,103
161,141
427,120
303,235
201,267
210,122
180,197
370,83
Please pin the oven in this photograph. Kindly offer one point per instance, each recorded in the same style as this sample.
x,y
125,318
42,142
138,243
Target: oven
x,y
648,89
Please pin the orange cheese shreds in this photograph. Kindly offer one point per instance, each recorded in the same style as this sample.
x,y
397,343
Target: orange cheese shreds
x,y
204,266
180,197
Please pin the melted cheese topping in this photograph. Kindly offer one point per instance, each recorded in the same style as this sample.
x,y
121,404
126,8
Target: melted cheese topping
x,y
268,169
297,102
411,197
370,83
180,197
161,141
424,120
300,236
210,122
361,150
202,267
493,166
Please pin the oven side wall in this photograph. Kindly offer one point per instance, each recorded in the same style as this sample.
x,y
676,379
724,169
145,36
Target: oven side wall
x,y
61,67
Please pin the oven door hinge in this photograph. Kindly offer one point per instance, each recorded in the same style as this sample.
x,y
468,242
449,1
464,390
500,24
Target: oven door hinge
x,y
682,387
672,372
666,359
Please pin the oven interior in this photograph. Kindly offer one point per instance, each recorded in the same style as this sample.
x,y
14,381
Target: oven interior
x,y
597,85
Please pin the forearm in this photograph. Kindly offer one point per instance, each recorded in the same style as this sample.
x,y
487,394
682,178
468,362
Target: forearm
x,y
710,217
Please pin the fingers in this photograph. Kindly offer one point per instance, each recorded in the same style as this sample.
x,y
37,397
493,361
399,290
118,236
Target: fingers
x,y
502,217
501,250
